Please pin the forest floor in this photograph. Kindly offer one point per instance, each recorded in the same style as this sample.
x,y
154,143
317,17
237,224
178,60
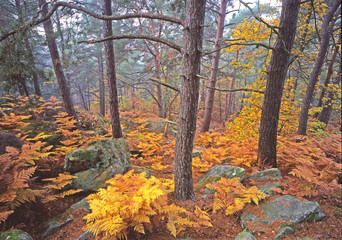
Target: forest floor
x,y
319,154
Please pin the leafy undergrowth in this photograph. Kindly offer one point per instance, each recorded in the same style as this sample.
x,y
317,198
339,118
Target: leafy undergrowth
x,y
140,207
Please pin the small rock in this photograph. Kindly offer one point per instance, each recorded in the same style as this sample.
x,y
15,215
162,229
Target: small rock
x,y
245,235
305,238
53,226
197,152
269,174
219,171
81,204
283,232
267,188
15,234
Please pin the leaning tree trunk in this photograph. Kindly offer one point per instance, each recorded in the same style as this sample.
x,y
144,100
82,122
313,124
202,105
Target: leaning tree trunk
x,y
101,86
324,116
56,61
328,77
213,76
327,27
111,76
267,148
191,51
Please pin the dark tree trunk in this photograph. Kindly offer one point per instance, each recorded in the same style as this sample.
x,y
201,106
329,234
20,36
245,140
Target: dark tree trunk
x,y
191,51
111,76
267,148
101,86
56,61
29,52
324,116
327,27
82,97
328,77
213,76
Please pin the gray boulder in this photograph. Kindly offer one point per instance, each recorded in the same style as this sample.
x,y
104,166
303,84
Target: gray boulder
x,y
269,174
98,163
219,171
245,235
286,208
15,234
267,188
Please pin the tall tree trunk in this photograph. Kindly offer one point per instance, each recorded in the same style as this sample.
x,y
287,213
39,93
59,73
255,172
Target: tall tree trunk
x,y
111,76
267,148
161,111
327,27
328,77
51,40
29,52
229,109
213,76
191,51
101,86
324,116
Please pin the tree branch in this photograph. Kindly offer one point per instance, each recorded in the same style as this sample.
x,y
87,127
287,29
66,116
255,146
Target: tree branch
x,y
237,90
136,36
164,84
240,44
56,5
259,18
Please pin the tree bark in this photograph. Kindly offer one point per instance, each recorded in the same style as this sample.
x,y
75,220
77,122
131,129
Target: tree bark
x,y
192,47
327,27
324,116
101,86
111,75
29,52
267,148
328,77
213,76
56,61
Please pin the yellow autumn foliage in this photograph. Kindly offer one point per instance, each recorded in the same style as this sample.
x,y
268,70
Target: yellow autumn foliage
x,y
232,196
129,202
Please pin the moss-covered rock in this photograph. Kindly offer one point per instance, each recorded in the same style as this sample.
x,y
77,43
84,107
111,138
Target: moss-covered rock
x,y
15,234
98,163
285,208
217,172
101,154
269,174
245,235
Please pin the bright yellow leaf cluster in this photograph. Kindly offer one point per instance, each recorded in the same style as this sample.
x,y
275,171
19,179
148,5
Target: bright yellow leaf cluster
x,y
232,196
129,202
